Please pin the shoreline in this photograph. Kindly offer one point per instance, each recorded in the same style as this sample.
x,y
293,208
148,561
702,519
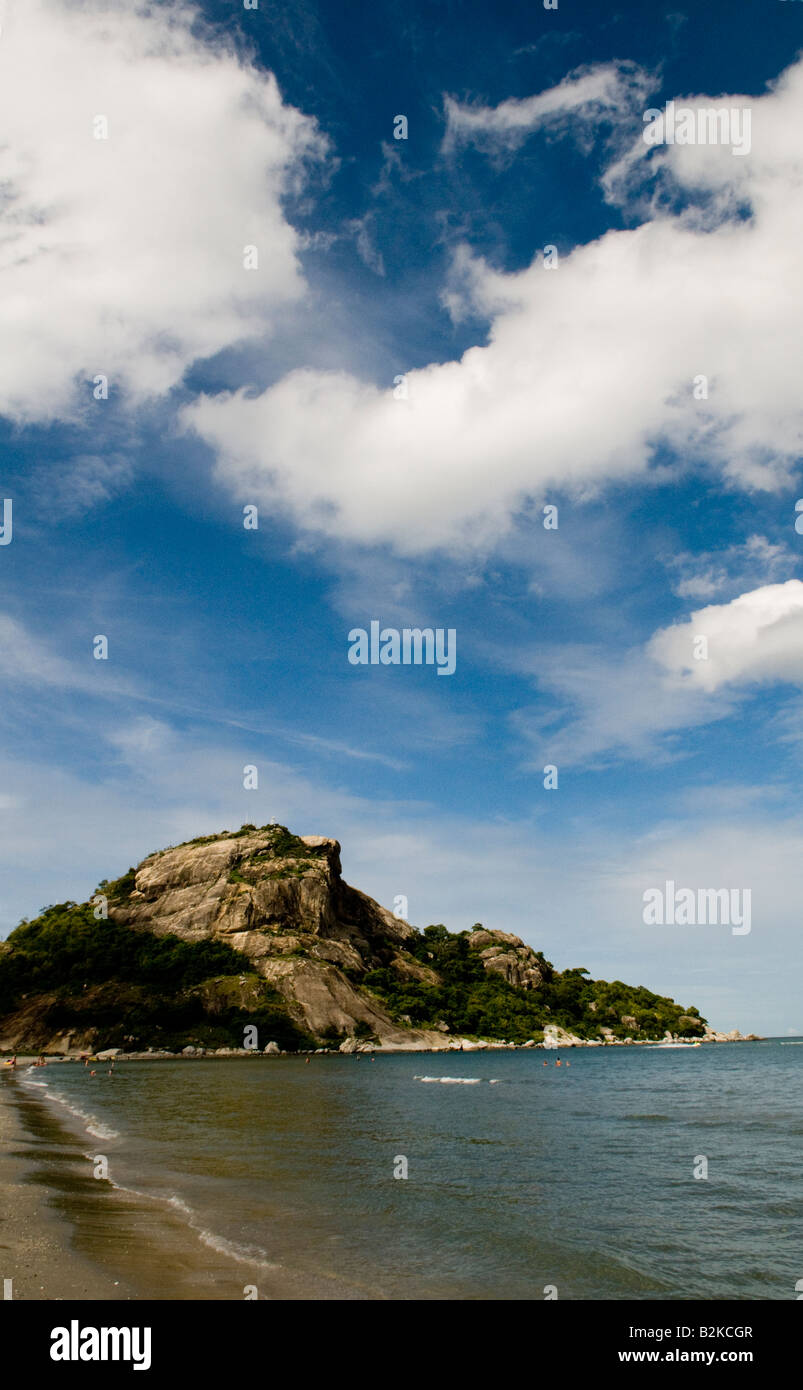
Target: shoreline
x,y
65,1235
466,1046
38,1254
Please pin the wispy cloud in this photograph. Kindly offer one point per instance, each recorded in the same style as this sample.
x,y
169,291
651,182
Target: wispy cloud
x,y
600,709
745,565
588,93
29,660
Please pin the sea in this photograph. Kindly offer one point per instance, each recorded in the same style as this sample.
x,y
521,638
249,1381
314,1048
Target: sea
x,y
626,1173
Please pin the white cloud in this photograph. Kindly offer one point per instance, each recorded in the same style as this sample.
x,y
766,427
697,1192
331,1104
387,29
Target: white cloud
x,y
141,740
755,639
633,704
29,661
587,372
124,256
590,92
362,229
746,565
610,707
89,482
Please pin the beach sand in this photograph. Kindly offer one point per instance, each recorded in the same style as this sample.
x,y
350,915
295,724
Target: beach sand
x,y
36,1251
66,1235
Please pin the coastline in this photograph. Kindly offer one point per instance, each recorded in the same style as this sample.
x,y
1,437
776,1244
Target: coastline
x,y
38,1255
559,1038
65,1235
330,1130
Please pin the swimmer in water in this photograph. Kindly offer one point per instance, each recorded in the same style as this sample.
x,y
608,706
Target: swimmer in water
x,y
558,1062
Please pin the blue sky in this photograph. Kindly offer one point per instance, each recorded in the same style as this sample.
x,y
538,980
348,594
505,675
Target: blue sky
x,y
526,387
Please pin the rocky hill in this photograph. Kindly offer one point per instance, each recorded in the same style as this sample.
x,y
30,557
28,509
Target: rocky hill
x,y
256,928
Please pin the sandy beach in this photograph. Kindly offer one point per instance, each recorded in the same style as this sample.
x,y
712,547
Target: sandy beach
x,y
36,1245
66,1235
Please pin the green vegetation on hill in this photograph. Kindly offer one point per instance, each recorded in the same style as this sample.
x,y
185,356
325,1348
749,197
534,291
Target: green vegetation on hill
x,y
134,986
284,844
116,981
472,1000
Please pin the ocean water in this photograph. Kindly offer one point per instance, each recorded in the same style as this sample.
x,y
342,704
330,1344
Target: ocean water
x,y
520,1176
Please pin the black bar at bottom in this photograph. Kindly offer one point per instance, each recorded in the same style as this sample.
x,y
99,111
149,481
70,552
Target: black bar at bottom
x,y
273,1341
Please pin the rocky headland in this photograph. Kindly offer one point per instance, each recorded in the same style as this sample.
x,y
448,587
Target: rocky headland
x,y
250,940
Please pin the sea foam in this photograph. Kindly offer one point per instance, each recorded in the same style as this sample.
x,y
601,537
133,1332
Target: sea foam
x,y
91,1123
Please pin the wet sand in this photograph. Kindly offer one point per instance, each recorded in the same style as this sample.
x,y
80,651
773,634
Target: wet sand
x,y
36,1251
67,1235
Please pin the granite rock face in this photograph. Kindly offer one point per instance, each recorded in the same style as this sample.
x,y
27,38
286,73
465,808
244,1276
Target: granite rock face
x,y
711,1035
280,899
508,956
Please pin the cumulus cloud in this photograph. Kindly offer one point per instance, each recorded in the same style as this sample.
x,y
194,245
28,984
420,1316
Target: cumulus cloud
x,y
756,639
123,256
589,92
589,372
